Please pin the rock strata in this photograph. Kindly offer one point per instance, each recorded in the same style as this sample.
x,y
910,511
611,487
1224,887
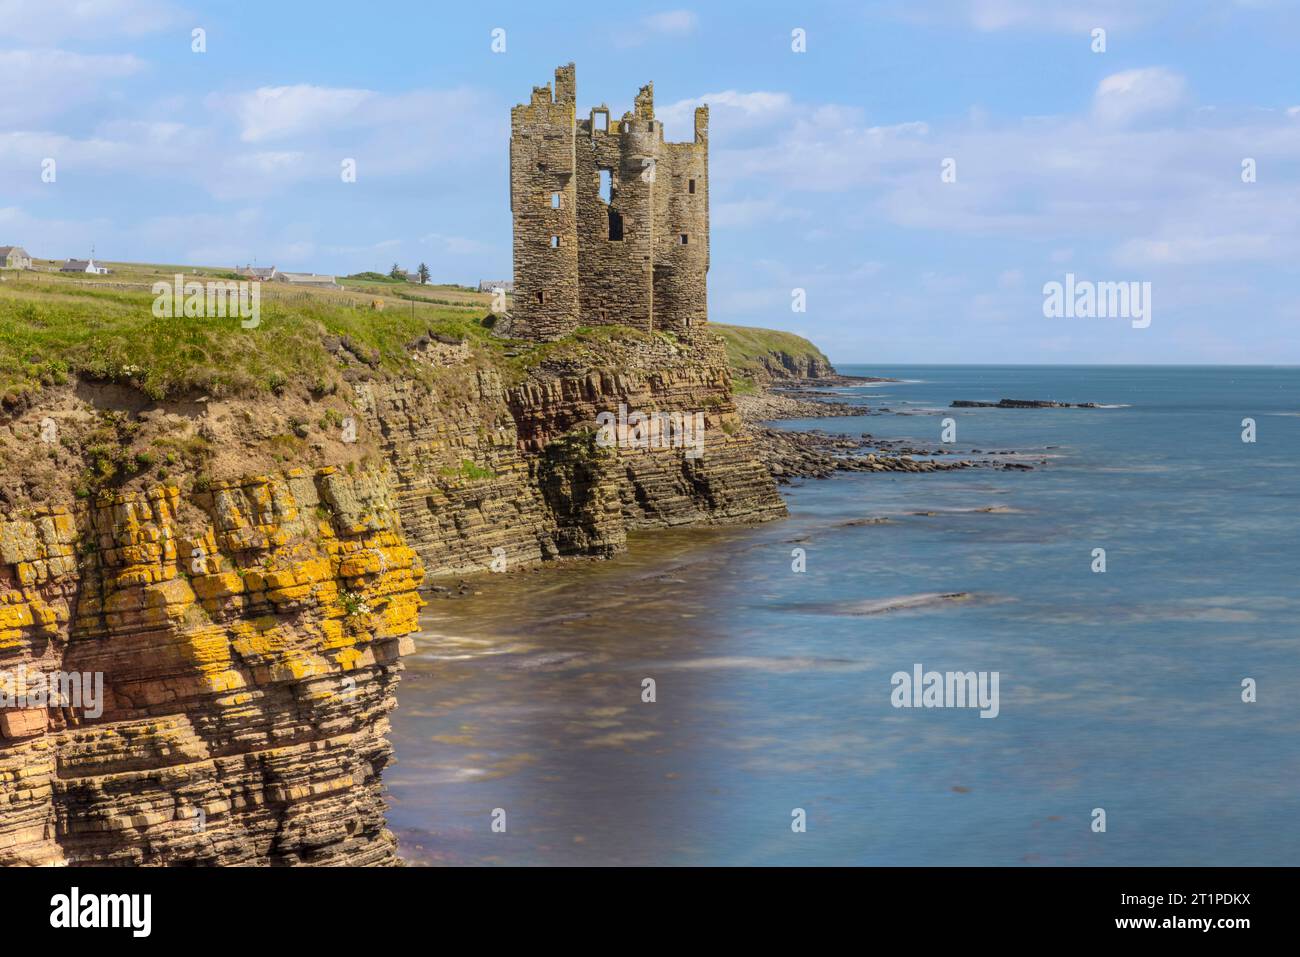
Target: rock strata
x,y
247,638
247,630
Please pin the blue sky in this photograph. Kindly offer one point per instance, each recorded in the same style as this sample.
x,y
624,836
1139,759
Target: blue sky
x,y
1123,165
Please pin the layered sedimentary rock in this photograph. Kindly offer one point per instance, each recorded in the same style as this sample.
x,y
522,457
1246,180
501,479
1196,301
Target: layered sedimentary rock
x,y
247,638
248,631
659,485
484,473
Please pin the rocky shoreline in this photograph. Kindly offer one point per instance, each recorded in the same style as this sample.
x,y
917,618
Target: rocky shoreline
x,y
794,454
802,399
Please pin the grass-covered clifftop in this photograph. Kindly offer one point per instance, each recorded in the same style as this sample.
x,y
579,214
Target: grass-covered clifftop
x,y
55,326
96,392
761,355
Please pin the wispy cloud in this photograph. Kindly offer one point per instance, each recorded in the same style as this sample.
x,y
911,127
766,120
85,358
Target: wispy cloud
x,y
40,84
277,112
672,22
54,21
1044,16
667,24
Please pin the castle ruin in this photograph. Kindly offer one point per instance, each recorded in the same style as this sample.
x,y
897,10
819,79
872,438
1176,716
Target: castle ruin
x,y
611,223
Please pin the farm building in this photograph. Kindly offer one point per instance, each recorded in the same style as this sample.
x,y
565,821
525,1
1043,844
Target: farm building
x,y
14,257
306,279
84,265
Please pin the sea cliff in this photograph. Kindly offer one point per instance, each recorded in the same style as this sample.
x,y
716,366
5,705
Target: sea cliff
x,y
242,570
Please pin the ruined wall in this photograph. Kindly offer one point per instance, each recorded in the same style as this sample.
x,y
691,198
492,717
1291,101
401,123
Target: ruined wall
x,y
643,254
615,275
681,255
543,208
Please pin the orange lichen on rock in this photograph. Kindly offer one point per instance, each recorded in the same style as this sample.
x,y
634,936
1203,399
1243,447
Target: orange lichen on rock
x,y
243,715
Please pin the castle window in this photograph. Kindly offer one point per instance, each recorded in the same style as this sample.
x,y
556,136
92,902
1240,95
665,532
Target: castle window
x,y
555,201
615,225
541,296
600,121
690,186
541,167
684,239
555,242
606,188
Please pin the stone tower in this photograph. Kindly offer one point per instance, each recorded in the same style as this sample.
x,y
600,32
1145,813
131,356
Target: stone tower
x,y
611,223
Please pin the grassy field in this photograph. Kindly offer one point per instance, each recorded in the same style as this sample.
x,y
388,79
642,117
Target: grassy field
x,y
53,325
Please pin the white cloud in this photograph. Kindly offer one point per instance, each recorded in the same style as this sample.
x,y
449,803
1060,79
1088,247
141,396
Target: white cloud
x,y
39,84
671,22
52,21
275,112
1122,98
730,111
1042,16
1202,250
749,212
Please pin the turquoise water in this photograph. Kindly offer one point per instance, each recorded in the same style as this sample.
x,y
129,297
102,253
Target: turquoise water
x,y
1119,690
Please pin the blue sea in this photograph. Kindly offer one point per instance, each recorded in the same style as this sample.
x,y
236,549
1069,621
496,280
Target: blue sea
x,y
1119,691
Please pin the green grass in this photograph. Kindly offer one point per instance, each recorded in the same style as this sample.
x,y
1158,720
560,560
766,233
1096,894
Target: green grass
x,y
745,346
102,328
54,327
469,469
363,277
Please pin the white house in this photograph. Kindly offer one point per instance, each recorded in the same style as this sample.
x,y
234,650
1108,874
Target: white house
x,y
84,265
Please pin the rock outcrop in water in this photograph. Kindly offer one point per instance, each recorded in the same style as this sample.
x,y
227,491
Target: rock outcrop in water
x,y
1022,404
248,630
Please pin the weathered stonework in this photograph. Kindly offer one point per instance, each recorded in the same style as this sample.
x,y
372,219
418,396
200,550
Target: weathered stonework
x,y
638,259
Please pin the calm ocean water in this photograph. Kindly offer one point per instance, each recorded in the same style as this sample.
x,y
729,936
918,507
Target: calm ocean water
x,y
1119,690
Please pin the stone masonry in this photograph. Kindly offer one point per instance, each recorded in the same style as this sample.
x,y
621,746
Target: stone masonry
x,y
611,223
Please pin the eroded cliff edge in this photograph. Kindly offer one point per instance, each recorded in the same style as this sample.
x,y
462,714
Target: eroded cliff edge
x,y
244,571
